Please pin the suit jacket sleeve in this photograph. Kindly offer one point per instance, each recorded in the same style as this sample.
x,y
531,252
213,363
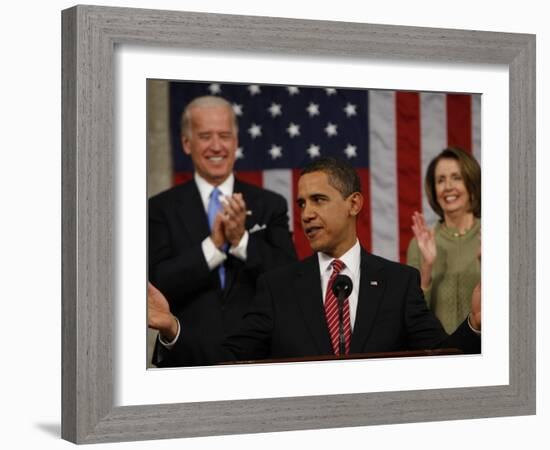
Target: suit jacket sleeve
x,y
177,272
251,342
425,330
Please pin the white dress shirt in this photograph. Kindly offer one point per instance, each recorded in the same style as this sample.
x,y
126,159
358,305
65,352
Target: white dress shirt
x,y
213,255
352,262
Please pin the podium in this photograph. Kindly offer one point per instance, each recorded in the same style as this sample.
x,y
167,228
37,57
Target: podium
x,y
399,354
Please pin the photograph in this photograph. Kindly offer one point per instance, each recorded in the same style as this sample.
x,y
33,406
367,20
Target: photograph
x,y
400,186
257,225
264,219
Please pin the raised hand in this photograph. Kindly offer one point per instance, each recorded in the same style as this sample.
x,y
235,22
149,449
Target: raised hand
x,y
479,249
475,314
159,316
425,237
217,235
233,217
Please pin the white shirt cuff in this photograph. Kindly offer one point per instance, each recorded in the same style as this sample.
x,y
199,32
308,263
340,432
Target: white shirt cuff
x,y
213,255
169,345
240,250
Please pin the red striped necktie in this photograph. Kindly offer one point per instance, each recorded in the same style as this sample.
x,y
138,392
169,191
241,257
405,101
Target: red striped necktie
x,y
331,312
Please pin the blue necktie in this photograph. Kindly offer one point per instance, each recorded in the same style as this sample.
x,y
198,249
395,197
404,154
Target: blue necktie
x,y
214,205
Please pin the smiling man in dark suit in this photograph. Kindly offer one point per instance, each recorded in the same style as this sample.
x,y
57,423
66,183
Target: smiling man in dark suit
x,y
210,238
293,314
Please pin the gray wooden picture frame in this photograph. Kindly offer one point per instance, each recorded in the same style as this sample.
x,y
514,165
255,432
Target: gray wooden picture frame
x,y
90,35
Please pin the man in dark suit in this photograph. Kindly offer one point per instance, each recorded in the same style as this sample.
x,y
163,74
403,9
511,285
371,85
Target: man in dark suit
x,y
293,314
210,238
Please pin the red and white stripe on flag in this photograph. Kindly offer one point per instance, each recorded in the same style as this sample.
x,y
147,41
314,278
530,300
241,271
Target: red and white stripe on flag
x,y
406,130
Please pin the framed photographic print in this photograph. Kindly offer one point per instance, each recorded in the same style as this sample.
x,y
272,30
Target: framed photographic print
x,y
388,136
105,79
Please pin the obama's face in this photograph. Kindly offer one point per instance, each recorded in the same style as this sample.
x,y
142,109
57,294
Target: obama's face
x,y
328,218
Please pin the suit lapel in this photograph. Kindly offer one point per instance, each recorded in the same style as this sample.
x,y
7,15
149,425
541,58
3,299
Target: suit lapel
x,y
232,268
371,293
307,285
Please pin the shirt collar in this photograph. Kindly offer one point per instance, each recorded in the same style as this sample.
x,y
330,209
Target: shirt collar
x,y
351,259
205,188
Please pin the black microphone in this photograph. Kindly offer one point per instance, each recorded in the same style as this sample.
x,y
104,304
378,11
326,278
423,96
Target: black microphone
x,y
342,288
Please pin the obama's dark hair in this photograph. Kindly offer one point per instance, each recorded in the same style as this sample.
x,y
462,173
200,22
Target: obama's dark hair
x,y
341,175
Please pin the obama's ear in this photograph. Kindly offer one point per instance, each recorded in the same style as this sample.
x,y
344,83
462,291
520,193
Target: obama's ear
x,y
356,203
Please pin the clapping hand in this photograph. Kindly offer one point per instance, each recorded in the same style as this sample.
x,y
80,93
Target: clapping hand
x,y
425,237
217,234
479,249
233,217
475,314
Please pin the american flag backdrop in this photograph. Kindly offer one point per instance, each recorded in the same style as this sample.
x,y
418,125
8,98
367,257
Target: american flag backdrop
x,y
388,136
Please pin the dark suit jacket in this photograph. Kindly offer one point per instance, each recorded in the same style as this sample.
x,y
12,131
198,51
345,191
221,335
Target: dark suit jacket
x,y
177,267
287,318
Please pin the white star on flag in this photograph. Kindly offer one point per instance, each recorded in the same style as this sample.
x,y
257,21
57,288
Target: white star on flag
x,y
313,109
331,129
314,151
254,89
350,110
351,151
215,88
275,110
255,131
238,109
293,130
281,129
276,152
